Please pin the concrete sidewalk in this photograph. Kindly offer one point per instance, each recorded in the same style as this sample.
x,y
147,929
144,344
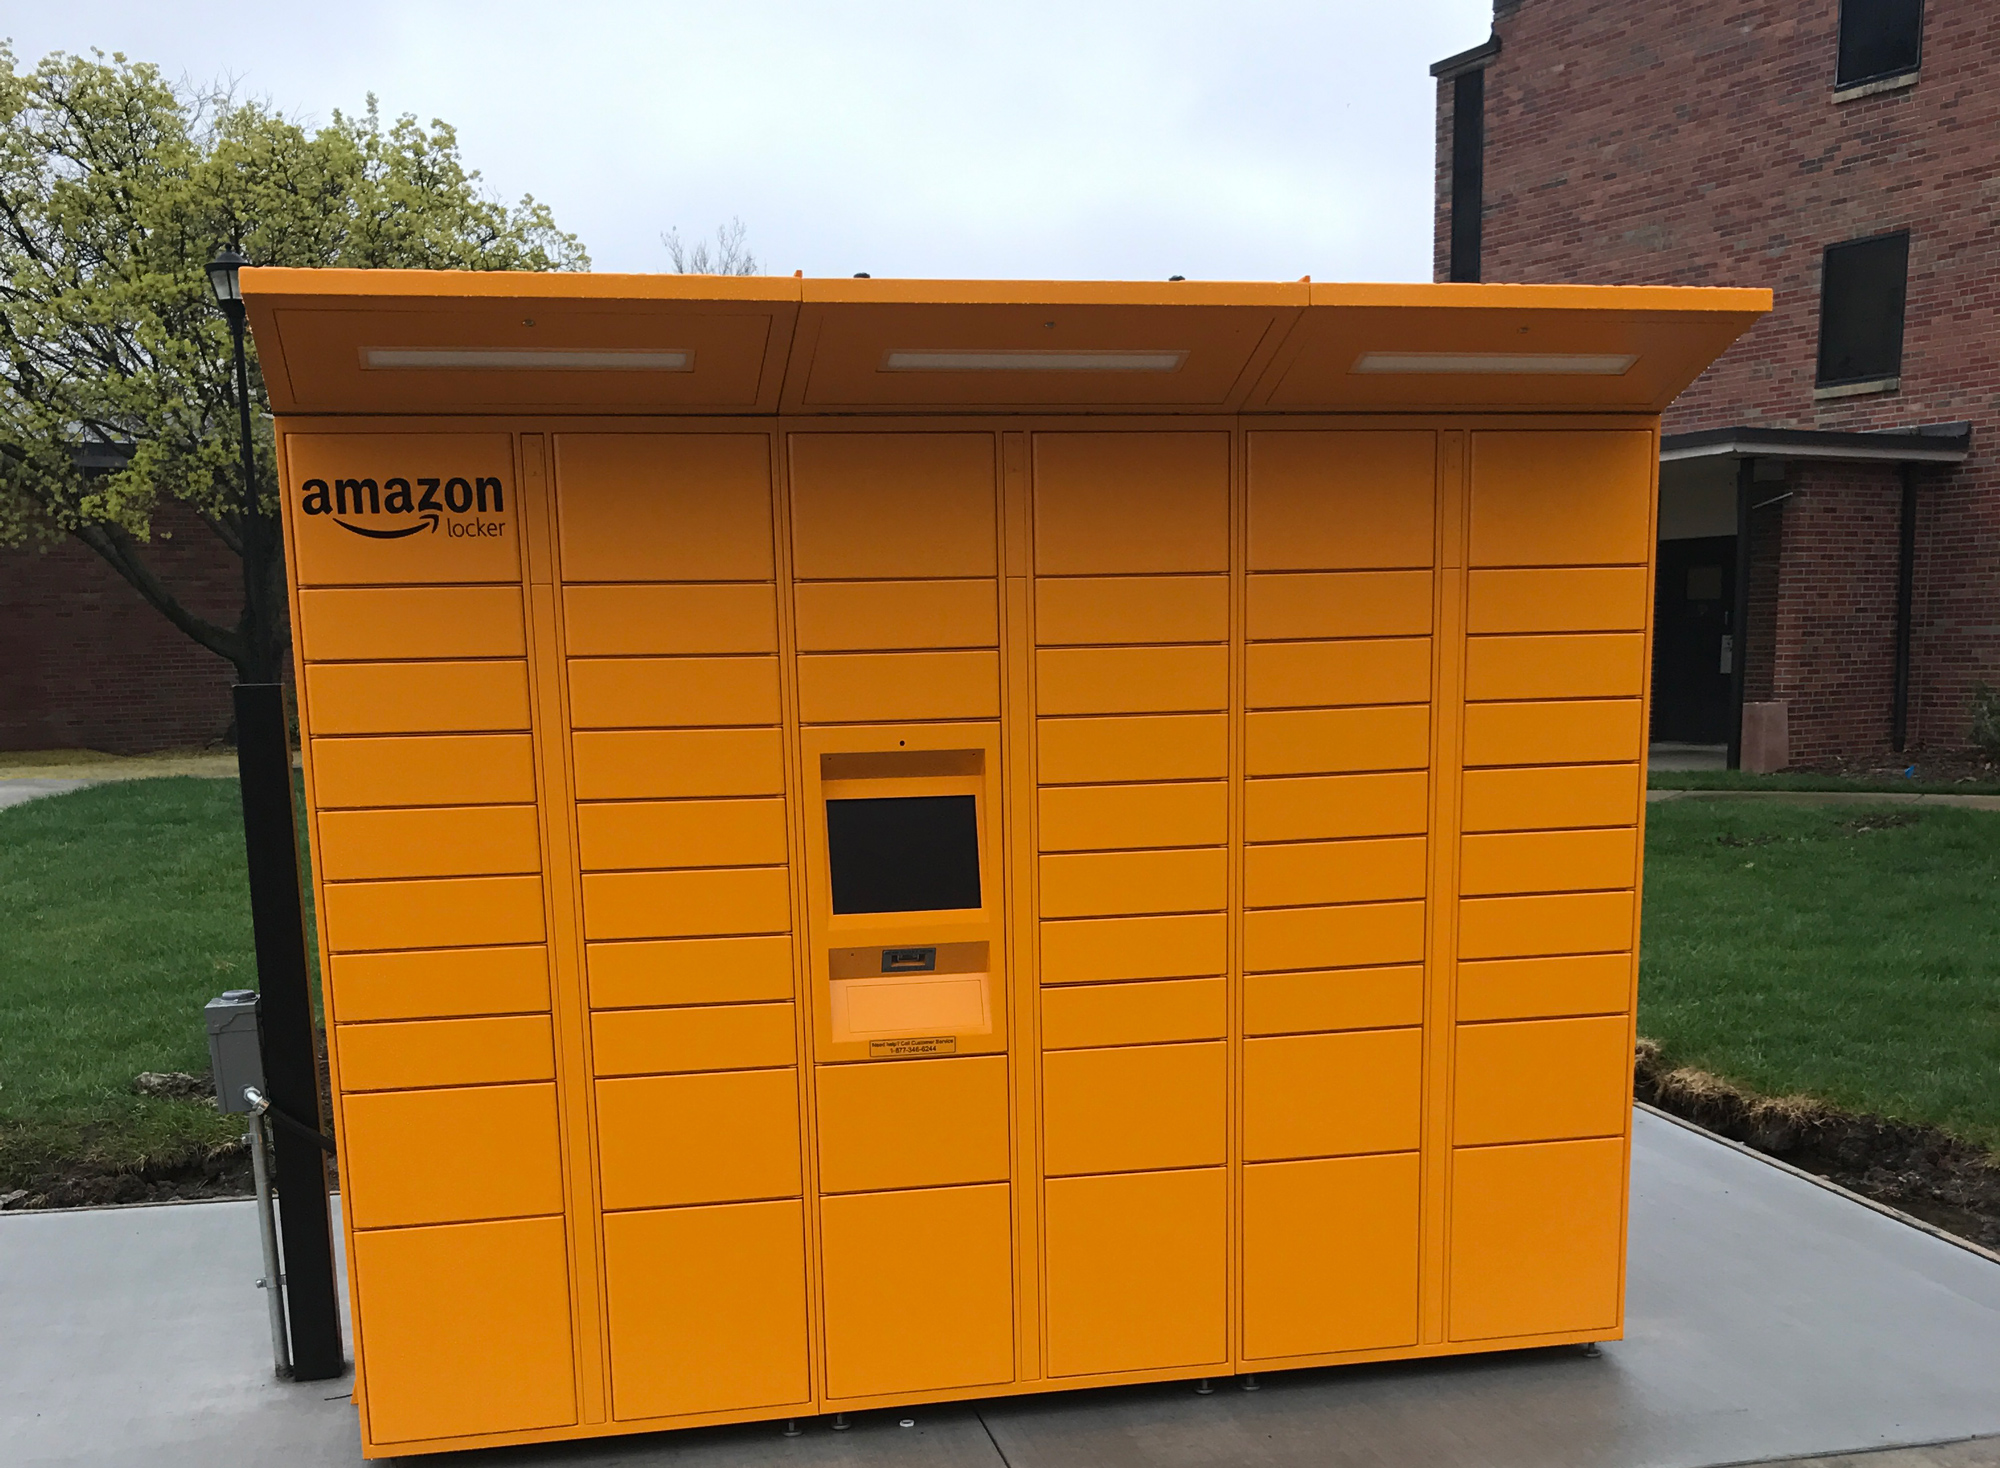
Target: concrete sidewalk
x,y
1832,797
1769,1319
31,774
1679,756
93,766
20,791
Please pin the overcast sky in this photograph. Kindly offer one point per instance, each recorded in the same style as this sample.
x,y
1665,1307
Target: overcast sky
x,y
1089,139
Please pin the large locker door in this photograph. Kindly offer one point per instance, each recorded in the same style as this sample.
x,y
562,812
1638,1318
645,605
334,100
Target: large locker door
x,y
466,1327
708,1308
1136,1273
919,1290
1329,1255
1537,1239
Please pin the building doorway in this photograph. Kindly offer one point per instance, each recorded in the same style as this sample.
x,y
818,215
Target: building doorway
x,y
1693,595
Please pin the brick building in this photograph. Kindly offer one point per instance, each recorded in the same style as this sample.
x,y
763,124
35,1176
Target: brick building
x,y
1845,153
86,663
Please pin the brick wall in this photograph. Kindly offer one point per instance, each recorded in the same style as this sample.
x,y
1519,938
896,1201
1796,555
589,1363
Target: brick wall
x,y
86,663
1696,142
1955,639
1835,609
1767,533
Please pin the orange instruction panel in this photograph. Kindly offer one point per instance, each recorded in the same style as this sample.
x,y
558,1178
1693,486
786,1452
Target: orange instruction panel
x,y
889,842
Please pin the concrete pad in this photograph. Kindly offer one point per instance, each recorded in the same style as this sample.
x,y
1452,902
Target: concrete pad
x,y
937,1437
1978,1452
1769,1319
1971,1453
138,1336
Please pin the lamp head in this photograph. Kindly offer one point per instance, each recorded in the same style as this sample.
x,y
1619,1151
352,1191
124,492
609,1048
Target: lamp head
x,y
222,276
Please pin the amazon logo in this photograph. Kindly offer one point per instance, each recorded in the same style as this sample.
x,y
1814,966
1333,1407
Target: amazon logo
x,y
427,504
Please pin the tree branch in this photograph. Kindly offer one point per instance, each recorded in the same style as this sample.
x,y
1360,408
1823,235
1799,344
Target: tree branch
x,y
118,550
224,531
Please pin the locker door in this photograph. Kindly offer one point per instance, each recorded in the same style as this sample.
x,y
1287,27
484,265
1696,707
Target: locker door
x,y
1537,1238
918,1290
708,1308
1136,1271
1329,1255
449,1348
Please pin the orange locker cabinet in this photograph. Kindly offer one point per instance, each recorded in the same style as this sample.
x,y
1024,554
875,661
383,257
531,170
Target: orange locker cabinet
x,y
884,842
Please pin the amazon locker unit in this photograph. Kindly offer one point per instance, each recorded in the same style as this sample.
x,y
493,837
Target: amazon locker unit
x,y
885,842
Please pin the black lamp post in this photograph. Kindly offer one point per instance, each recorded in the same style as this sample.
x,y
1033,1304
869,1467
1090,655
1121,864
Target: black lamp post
x,y
224,281
277,926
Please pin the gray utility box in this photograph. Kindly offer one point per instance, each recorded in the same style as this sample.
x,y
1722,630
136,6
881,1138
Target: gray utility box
x,y
235,1053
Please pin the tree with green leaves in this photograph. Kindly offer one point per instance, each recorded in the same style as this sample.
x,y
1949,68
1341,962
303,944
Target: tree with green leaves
x,y
116,377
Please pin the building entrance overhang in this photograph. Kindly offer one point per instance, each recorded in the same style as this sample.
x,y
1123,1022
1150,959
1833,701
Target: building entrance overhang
x,y
1935,443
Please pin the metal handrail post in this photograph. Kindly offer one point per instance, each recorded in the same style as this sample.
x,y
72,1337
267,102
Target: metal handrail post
x,y
267,1222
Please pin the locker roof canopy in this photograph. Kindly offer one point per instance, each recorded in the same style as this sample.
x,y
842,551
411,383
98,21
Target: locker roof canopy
x,y
411,341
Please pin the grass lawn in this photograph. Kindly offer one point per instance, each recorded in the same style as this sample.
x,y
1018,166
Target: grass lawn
x,y
1851,952
1848,952
123,909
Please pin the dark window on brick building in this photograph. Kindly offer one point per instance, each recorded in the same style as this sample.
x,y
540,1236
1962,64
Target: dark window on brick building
x,y
1878,38
1468,171
1862,288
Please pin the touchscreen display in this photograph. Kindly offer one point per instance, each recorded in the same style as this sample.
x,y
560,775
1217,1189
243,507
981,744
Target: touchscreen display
x,y
904,853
